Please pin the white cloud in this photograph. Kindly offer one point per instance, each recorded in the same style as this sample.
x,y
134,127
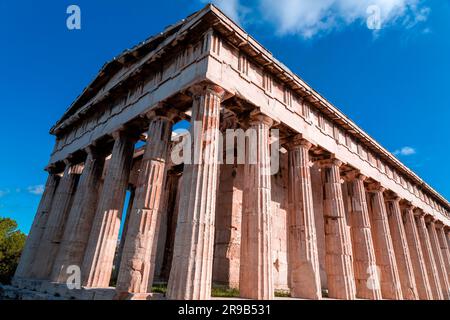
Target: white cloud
x,y
308,18
405,151
36,190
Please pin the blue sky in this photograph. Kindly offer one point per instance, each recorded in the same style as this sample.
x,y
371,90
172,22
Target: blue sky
x,y
393,82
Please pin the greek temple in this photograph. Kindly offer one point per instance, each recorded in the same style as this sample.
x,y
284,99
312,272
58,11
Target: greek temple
x,y
338,218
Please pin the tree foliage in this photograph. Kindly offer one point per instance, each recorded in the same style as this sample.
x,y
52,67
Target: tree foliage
x,y
12,242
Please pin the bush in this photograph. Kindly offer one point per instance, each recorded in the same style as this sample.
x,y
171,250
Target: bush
x,y
12,242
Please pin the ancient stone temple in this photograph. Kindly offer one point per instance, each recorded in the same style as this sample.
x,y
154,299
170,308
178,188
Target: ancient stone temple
x,y
337,216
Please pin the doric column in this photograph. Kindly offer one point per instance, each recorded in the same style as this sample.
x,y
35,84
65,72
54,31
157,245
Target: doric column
x,y
440,264
447,235
304,272
81,216
401,250
384,249
417,259
338,245
139,251
52,235
364,261
427,250
444,246
28,255
98,259
255,276
191,273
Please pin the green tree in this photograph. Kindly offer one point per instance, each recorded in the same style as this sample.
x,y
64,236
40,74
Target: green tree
x,y
12,242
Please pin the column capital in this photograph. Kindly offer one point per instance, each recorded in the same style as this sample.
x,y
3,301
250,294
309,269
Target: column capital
x,y
160,114
392,196
439,224
52,169
354,175
256,117
200,89
408,205
95,151
375,187
298,140
124,132
327,163
429,218
418,212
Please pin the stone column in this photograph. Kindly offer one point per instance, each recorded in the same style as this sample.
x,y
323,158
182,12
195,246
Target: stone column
x,y
384,249
28,255
444,246
440,264
81,216
401,250
255,274
417,259
191,273
364,261
447,235
304,271
52,235
428,255
138,257
338,245
99,257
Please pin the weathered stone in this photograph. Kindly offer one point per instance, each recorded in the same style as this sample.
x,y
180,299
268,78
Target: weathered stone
x,y
242,242
384,249
28,255
81,216
429,256
364,262
417,258
440,265
401,250
191,273
444,246
255,276
338,246
54,228
98,260
304,273
139,252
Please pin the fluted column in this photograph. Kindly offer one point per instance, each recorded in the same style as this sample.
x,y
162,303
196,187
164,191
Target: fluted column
x,y
417,258
52,235
401,250
28,255
338,245
444,246
304,272
439,260
191,272
364,261
138,257
384,249
255,276
81,216
447,235
428,255
99,256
